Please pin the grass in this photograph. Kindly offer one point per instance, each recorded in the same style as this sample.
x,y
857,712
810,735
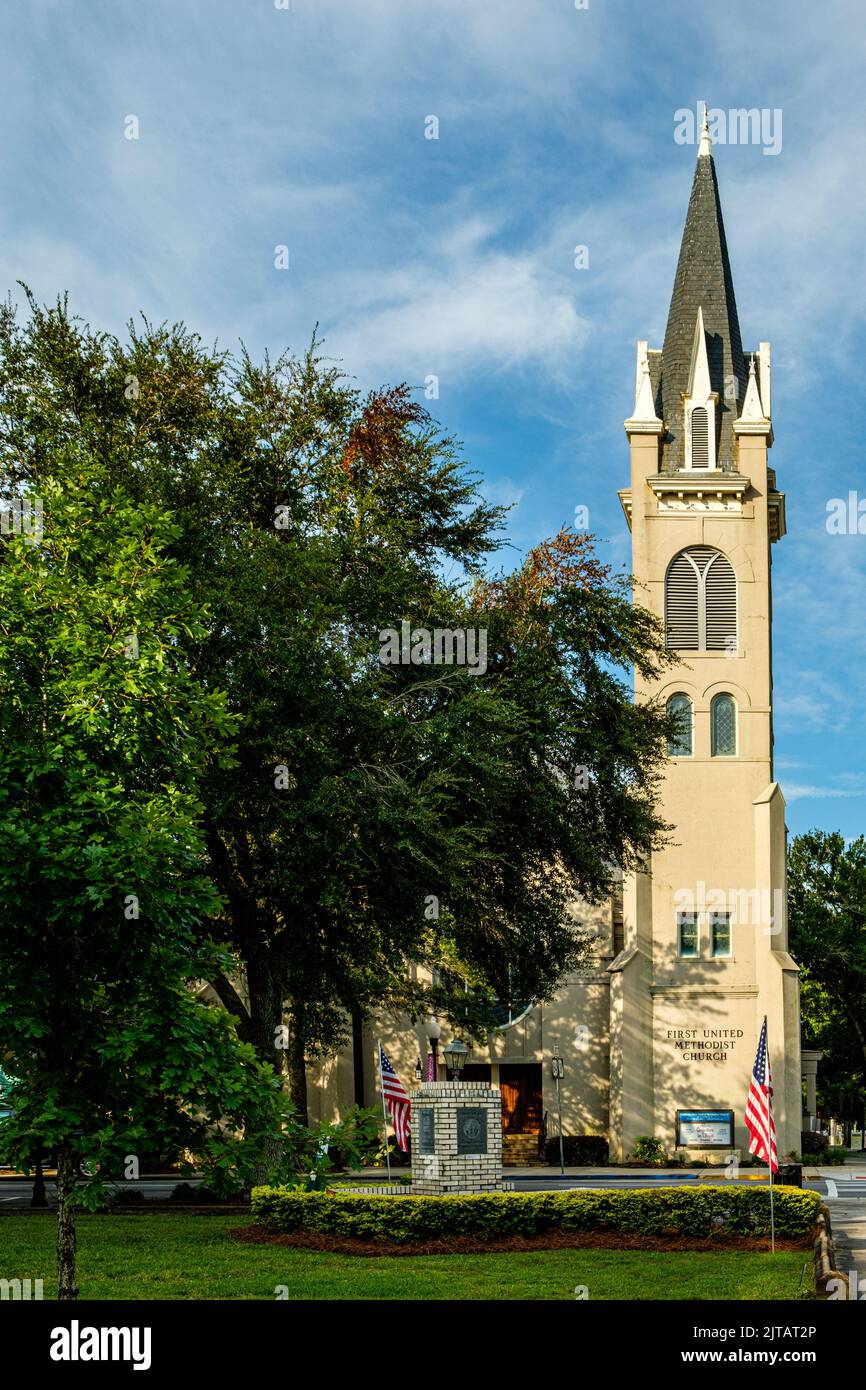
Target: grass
x,y
172,1256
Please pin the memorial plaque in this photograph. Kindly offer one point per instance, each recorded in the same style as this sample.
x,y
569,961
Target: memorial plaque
x,y
426,1132
471,1130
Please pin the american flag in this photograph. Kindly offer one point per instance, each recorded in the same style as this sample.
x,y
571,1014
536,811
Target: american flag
x,y
759,1107
396,1099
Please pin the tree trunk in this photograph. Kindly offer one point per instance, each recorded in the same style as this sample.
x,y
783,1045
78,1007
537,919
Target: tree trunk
x,y
265,1023
297,1065
39,1199
67,1288
266,1010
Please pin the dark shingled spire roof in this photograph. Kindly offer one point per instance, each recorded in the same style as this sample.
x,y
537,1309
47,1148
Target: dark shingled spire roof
x,y
703,280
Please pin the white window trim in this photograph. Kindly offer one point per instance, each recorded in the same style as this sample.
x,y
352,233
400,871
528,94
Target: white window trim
x,y
720,955
680,954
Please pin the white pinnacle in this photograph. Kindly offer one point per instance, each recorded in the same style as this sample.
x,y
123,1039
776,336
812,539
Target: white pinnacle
x,y
753,410
705,147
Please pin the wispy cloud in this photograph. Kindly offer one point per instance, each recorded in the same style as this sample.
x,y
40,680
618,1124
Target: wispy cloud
x,y
454,257
803,791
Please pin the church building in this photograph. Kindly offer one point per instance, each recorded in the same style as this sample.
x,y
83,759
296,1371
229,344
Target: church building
x,y
658,1033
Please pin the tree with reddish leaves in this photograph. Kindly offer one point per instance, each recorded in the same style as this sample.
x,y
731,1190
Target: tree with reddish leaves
x,y
393,818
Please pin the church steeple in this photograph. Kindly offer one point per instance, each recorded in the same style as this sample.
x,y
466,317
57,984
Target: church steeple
x,y
703,510
703,281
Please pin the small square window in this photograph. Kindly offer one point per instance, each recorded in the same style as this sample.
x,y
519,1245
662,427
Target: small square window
x,y
720,933
687,935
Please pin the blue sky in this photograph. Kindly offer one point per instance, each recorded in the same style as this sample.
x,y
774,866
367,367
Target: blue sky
x,y
454,257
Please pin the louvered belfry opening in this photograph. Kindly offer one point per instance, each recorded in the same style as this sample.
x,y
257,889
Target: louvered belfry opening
x,y
700,602
720,586
700,438
681,605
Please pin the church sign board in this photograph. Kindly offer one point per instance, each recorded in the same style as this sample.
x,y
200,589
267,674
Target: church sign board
x,y
705,1129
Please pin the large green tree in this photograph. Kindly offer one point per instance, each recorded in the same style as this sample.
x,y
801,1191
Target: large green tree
x,y
105,734
827,915
381,816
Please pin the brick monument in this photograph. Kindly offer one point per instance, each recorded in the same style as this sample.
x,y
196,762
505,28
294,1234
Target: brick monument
x,y
456,1130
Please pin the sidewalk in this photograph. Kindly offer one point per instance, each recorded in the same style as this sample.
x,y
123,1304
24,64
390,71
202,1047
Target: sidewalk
x,y
854,1166
848,1221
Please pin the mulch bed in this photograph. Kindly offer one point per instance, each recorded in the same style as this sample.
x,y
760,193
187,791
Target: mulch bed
x,y
550,1240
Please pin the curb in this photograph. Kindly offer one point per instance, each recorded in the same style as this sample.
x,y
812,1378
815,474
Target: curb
x,y
825,1254
405,1190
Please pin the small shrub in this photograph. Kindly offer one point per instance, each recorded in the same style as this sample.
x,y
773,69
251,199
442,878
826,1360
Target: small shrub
x,y
831,1155
812,1143
202,1195
648,1150
834,1156
133,1197
184,1192
579,1150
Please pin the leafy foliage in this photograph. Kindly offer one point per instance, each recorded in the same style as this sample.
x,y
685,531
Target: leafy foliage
x,y
579,1150
712,1211
104,736
827,933
313,1151
648,1150
411,835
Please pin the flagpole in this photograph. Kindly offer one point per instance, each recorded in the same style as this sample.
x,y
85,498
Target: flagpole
x,y
772,1214
384,1111
770,1137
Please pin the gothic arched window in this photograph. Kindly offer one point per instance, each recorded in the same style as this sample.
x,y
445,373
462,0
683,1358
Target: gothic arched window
x,y
679,706
701,602
723,727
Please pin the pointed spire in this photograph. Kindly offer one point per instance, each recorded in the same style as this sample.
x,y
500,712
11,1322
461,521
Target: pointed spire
x,y
705,148
703,282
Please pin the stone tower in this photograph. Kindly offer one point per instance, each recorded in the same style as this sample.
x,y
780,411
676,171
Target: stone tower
x,y
704,953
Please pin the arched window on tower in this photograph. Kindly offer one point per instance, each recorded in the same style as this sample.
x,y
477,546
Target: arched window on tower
x,y
701,602
700,457
723,727
679,707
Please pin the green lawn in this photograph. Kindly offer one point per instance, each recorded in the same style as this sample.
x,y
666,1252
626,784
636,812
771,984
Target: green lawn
x,y
184,1256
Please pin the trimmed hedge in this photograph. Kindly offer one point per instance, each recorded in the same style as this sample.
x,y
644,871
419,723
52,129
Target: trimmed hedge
x,y
683,1211
817,1149
580,1150
812,1142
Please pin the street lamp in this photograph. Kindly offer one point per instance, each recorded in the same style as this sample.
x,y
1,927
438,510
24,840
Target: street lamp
x,y
455,1058
434,1033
